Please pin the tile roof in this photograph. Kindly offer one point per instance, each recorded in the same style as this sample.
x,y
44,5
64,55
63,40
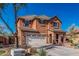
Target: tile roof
x,y
75,32
2,35
41,17
58,30
28,29
54,18
31,17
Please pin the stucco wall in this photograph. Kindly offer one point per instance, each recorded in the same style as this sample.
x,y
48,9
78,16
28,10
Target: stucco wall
x,y
42,28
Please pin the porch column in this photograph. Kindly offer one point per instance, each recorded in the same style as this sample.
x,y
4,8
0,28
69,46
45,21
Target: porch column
x,y
59,40
51,40
47,39
64,40
54,41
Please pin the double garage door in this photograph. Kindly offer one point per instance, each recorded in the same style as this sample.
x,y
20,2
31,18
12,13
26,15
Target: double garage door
x,y
35,40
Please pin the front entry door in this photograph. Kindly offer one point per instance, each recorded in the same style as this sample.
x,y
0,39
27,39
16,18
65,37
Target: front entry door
x,y
50,38
56,39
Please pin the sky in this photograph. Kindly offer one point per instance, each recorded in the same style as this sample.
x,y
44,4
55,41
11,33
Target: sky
x,y
67,13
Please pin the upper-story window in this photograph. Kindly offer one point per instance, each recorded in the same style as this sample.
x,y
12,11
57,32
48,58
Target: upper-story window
x,y
42,21
26,23
55,24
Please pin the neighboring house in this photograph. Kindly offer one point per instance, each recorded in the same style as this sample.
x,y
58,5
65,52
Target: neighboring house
x,y
76,36
3,40
6,40
39,31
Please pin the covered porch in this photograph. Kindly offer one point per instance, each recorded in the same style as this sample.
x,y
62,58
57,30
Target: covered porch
x,y
56,37
59,38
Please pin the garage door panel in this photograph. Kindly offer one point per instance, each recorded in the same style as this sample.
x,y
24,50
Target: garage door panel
x,y
37,41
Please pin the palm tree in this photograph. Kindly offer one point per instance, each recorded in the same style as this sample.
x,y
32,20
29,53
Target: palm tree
x,y
1,9
16,6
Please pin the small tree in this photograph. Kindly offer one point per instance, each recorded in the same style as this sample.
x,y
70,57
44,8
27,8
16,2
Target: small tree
x,y
72,34
17,6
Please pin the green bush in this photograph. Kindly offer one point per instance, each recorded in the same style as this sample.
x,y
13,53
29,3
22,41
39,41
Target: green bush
x,y
42,52
1,52
77,46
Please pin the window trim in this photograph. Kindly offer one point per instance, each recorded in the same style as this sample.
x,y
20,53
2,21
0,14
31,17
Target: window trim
x,y
42,21
25,23
57,25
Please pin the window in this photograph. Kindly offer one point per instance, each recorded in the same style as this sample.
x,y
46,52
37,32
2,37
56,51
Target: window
x,y
54,24
26,23
42,21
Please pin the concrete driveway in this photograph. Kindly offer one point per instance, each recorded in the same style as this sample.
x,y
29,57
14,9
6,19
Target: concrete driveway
x,y
62,51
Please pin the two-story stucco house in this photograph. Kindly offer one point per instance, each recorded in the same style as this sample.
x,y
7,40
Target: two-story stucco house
x,y
39,31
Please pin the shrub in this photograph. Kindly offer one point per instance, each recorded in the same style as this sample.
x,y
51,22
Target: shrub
x,y
1,52
77,46
42,52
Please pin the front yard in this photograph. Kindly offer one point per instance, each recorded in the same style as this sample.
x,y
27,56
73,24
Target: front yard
x,y
2,52
50,51
5,51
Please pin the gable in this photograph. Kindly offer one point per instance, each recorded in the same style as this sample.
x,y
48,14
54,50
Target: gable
x,y
55,19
